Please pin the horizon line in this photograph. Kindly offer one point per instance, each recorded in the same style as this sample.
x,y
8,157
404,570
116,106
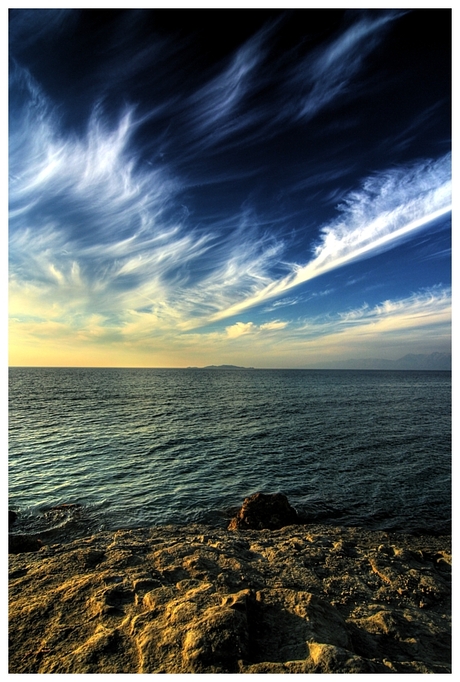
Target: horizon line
x,y
230,368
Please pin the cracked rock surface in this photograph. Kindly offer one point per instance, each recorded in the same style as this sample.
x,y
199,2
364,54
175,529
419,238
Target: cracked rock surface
x,y
193,599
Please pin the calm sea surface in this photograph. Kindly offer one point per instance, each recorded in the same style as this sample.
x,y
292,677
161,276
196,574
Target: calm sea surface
x,y
135,447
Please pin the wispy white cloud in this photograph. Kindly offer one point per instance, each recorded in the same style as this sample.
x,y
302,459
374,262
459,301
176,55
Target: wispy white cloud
x,y
326,75
421,320
104,248
282,303
90,229
275,325
83,203
26,28
130,254
227,105
242,262
389,207
423,308
219,98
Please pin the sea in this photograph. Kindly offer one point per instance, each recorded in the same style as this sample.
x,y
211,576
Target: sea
x,y
102,449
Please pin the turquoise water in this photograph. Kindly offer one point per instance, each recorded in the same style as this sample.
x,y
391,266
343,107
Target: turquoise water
x,y
134,447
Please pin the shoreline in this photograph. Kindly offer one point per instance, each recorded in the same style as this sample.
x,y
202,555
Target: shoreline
x,y
72,521
308,598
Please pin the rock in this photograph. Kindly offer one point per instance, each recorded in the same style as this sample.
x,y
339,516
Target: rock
x,y
328,659
62,511
216,641
23,543
12,516
264,511
199,600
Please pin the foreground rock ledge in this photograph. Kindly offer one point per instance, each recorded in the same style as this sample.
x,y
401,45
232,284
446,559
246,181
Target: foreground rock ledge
x,y
303,599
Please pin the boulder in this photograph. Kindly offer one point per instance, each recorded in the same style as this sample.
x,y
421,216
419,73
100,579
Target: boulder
x,y
259,511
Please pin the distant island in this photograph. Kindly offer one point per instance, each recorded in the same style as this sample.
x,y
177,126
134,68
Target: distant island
x,y
221,367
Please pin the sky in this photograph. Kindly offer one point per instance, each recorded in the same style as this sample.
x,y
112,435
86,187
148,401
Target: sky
x,y
258,187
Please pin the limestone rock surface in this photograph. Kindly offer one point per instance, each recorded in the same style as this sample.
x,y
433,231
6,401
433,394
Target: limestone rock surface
x,y
194,599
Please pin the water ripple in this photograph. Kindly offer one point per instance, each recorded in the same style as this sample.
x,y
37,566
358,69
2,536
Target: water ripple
x,y
141,447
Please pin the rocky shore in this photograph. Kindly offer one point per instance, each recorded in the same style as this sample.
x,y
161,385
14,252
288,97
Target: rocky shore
x,y
174,599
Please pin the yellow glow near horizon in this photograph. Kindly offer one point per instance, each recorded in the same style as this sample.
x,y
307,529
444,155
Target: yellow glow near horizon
x,y
384,331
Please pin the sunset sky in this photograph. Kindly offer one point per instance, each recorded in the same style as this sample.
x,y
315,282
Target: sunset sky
x,y
252,187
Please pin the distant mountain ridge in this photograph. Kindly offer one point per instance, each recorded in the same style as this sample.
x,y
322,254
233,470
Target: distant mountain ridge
x,y
428,361
431,361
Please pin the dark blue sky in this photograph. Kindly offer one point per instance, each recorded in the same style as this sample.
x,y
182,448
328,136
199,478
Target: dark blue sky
x,y
256,187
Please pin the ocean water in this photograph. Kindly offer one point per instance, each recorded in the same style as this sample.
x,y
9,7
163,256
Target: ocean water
x,y
138,447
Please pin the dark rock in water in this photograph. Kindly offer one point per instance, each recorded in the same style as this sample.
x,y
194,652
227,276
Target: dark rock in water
x,y
12,516
62,511
264,511
23,543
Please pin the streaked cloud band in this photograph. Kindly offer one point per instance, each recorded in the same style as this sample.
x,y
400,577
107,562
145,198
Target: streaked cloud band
x,y
374,218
